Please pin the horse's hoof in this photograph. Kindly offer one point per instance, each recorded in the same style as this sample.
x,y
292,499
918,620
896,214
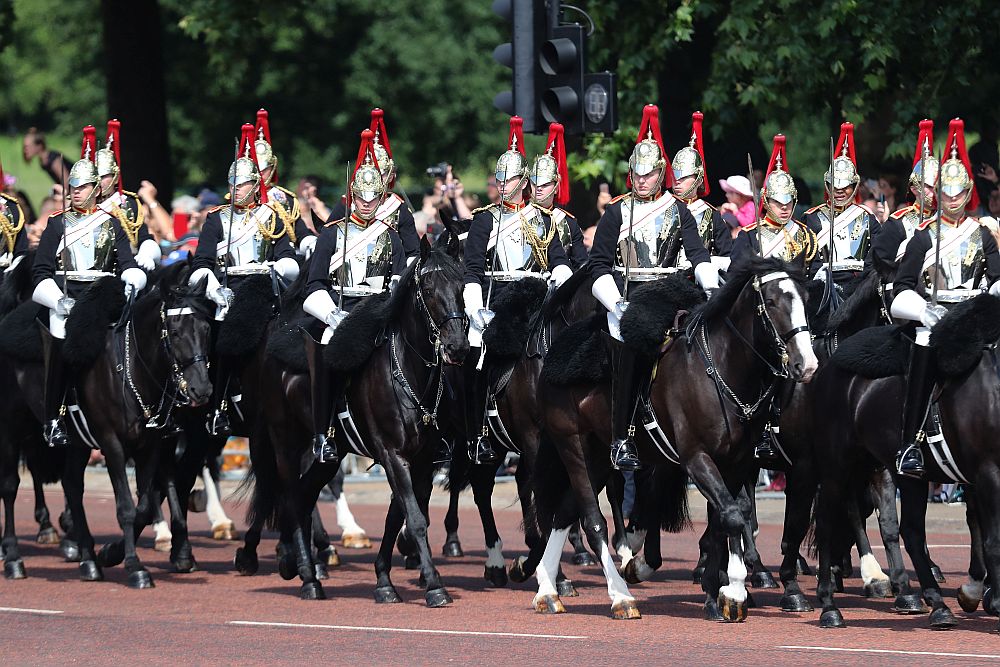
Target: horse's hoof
x,y
387,594
14,569
762,579
287,567
411,562
452,549
437,597
909,604
795,602
943,619
878,588
712,612
625,610
246,562
111,554
312,590
566,589
988,601
48,536
802,567
70,550
184,565
549,604
162,544
90,571
583,558
968,603
224,532
831,618
329,557
140,579
497,576
516,571
320,570
696,574
356,541
938,574
734,611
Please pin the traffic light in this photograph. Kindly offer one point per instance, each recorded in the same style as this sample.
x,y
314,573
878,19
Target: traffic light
x,y
562,61
527,21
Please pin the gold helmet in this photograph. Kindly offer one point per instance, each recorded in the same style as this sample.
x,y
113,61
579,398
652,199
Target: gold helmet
x,y
690,161
512,163
84,171
109,158
367,184
956,172
262,146
923,158
778,183
244,167
383,151
845,169
550,167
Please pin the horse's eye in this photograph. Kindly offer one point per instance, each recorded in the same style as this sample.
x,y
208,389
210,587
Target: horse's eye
x,y
771,303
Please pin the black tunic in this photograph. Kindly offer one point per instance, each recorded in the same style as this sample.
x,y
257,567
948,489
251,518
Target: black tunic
x,y
46,263
746,245
910,269
477,256
212,234
605,249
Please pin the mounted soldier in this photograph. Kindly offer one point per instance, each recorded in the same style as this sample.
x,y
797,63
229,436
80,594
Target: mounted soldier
x,y
640,238
80,244
854,226
507,242
355,258
551,167
125,205
243,238
955,257
285,202
691,187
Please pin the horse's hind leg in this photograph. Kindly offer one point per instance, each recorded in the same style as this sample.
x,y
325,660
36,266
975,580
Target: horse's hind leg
x,y
987,503
483,481
326,553
760,575
913,501
384,590
352,536
883,491
799,495
877,584
970,594
47,533
13,565
222,526
75,467
460,467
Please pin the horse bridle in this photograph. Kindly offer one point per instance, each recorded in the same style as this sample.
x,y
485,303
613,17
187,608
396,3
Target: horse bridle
x,y
780,340
434,328
178,367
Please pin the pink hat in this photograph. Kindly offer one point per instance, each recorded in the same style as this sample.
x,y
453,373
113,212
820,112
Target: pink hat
x,y
738,184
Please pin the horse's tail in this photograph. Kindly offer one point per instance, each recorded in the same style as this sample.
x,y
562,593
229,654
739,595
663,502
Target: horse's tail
x,y
458,478
672,498
549,485
262,485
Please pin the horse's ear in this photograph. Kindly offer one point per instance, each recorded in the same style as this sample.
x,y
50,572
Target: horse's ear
x,y
425,248
454,245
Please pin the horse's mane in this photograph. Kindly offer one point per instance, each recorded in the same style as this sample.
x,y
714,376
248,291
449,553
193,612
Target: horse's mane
x,y
437,259
170,283
722,301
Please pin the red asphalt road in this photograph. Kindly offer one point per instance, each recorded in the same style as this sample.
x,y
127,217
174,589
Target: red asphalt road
x,y
199,618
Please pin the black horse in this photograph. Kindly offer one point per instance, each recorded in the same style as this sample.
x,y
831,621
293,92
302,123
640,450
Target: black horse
x,y
853,436
396,403
129,379
706,396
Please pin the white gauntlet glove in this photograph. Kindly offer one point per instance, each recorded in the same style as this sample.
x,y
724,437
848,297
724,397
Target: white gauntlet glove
x,y
287,268
148,255
605,290
307,245
560,274
134,279
995,289
909,305
706,275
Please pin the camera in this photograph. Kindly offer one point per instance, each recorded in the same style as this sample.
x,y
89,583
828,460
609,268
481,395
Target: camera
x,y
439,170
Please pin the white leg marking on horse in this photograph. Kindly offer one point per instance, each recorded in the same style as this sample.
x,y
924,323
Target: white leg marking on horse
x,y
548,568
801,340
161,531
617,588
871,570
494,555
213,508
737,570
625,554
345,519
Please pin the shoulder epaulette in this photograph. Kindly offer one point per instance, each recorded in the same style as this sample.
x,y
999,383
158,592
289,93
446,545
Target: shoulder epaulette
x,y
484,208
218,208
618,198
901,212
333,222
568,214
865,209
818,207
55,213
286,191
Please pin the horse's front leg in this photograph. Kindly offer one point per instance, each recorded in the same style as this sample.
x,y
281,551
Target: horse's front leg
x,y
77,457
799,494
760,575
970,594
13,565
483,481
125,510
47,533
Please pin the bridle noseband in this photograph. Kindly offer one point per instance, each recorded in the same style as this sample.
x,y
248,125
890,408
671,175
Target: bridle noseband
x,y
780,340
434,328
178,367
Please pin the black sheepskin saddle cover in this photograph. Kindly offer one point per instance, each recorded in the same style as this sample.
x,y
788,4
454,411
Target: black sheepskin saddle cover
x,y
359,334
578,354
652,310
962,335
876,352
98,308
248,317
19,335
286,345
516,308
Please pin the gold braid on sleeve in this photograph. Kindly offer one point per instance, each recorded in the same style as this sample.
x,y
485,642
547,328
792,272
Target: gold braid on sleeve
x,y
7,226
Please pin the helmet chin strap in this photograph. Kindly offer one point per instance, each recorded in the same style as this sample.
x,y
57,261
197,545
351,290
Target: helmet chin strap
x,y
91,200
692,192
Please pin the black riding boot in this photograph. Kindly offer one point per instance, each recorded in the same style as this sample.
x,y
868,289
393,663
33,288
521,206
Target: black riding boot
x,y
217,423
54,430
624,395
477,432
323,445
919,388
